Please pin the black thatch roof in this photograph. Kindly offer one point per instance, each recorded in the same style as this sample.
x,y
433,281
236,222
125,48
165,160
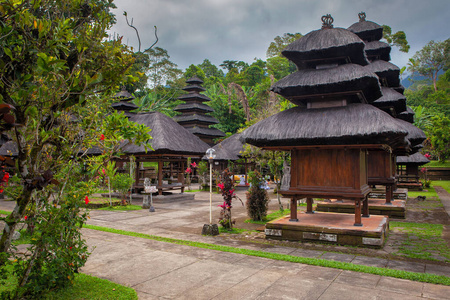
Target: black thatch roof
x,y
367,30
9,149
193,106
206,132
387,72
324,46
194,80
303,85
407,115
124,95
228,149
194,97
400,89
378,50
196,117
169,137
415,135
391,99
415,159
194,88
347,125
124,106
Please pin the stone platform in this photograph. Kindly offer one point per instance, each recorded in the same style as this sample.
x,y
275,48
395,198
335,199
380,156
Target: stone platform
x,y
380,192
396,210
334,228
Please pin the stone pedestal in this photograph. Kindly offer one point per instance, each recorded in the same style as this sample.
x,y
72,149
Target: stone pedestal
x,y
210,229
146,202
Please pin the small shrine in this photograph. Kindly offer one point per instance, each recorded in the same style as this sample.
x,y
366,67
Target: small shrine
x,y
194,112
329,135
408,170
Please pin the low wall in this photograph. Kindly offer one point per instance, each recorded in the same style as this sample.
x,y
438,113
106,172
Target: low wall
x,y
438,173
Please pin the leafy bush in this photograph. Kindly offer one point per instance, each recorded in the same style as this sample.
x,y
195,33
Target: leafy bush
x,y
227,188
122,183
257,198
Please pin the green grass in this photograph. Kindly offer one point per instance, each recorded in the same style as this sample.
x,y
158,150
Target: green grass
x,y
234,230
5,212
25,238
436,164
423,240
121,208
84,287
192,191
422,277
429,193
443,183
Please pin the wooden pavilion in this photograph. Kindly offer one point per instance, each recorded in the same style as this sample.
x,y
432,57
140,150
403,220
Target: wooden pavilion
x,y
408,170
329,135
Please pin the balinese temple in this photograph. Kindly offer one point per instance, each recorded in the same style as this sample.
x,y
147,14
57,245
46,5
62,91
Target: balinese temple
x,y
194,112
171,143
408,170
329,135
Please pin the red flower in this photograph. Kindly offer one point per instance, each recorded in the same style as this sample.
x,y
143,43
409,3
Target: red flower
x,y
224,205
103,171
86,200
423,170
70,248
102,137
427,155
194,165
5,177
1,191
188,170
221,186
25,217
232,192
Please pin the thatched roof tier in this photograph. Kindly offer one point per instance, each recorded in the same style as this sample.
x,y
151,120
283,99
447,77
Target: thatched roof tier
x,y
400,89
168,136
376,50
196,117
387,72
415,159
367,30
407,115
415,135
332,45
195,97
229,149
391,99
309,84
194,80
123,95
124,106
193,106
194,88
206,132
348,125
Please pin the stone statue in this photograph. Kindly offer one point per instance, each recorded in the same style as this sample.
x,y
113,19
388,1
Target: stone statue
x,y
286,179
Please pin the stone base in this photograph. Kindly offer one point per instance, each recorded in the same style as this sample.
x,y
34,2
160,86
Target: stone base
x,y
399,193
412,186
210,229
330,228
396,210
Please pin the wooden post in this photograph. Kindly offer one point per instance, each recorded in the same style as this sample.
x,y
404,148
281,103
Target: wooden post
x,y
309,202
358,213
366,207
389,195
182,176
136,174
293,210
160,176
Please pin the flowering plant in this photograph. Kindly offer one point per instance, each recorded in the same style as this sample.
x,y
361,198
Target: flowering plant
x,y
427,155
227,188
426,182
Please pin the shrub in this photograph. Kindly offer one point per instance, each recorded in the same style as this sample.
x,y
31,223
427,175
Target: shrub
x,y
257,198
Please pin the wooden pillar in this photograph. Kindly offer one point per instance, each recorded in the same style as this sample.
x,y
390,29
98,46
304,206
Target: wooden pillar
x,y
389,195
182,176
366,207
160,176
136,174
309,202
293,210
245,175
358,213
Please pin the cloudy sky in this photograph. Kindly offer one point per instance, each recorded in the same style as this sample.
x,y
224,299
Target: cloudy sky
x,y
192,30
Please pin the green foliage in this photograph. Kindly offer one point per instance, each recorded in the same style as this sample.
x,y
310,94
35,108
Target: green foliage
x,y
161,69
122,183
192,71
210,70
280,42
440,137
227,188
257,197
397,39
432,58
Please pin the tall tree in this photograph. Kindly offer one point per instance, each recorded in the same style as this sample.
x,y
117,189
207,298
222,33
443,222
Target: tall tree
x,y
280,42
161,68
397,39
431,59
210,69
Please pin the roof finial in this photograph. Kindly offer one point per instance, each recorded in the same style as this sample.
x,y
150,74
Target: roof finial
x,y
327,21
362,16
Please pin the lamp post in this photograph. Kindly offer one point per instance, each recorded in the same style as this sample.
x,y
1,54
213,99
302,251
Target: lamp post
x,y
210,229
